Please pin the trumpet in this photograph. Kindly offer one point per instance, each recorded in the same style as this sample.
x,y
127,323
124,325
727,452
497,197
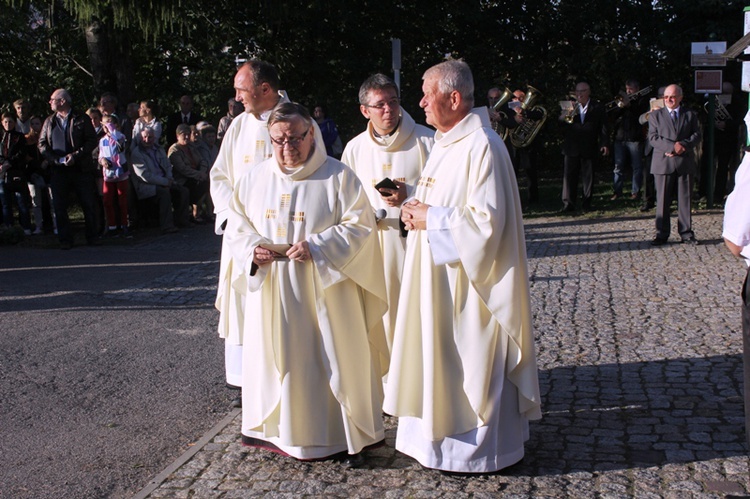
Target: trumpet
x,y
621,100
572,112
499,128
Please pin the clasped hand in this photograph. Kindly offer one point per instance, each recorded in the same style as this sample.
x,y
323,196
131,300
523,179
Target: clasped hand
x,y
414,215
678,150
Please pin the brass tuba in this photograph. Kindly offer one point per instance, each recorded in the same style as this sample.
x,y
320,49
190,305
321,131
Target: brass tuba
x,y
721,112
526,131
499,128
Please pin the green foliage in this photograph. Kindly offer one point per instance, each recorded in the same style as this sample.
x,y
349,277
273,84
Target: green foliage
x,y
325,49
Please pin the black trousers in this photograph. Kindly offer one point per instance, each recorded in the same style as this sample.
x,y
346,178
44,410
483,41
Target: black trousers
x,y
64,181
576,167
746,350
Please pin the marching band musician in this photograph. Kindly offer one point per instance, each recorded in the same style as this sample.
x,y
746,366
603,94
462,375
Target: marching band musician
x,y
585,138
523,157
726,144
629,138
500,119
649,191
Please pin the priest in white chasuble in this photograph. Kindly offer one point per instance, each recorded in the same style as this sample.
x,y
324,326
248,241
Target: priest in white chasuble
x,y
463,376
393,147
245,145
303,235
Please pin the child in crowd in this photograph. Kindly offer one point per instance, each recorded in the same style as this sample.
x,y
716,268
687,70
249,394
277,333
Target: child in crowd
x,y
115,174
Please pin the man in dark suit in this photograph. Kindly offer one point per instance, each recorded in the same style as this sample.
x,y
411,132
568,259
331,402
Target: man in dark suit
x,y
185,115
673,132
586,137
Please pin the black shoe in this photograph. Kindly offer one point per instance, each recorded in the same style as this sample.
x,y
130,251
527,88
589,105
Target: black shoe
x,y
658,241
568,209
690,240
354,461
94,242
66,245
236,402
647,207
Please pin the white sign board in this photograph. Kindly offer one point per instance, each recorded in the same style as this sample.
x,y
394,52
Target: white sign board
x,y
708,81
708,53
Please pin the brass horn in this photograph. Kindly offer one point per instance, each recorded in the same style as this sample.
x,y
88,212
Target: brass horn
x,y
499,128
721,113
526,132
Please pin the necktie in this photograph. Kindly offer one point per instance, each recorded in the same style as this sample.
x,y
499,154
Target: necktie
x,y
674,116
185,119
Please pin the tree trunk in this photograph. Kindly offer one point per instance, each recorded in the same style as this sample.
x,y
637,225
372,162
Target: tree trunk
x,y
111,61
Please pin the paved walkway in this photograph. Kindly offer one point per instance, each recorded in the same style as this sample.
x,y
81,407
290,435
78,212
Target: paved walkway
x,y
640,370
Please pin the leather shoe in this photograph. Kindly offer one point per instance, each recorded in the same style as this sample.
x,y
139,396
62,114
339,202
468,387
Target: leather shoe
x,y
354,461
236,402
658,241
690,240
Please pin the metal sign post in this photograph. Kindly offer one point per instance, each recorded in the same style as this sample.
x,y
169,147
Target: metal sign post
x,y
709,83
707,54
396,57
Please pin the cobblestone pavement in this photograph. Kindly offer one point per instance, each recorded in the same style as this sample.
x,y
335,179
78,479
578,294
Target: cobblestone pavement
x,y
640,363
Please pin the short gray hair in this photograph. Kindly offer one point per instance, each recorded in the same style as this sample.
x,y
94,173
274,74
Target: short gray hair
x,y
64,94
286,112
378,81
453,75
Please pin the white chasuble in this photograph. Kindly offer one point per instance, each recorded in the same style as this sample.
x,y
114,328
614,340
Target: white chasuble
x,y
246,144
312,380
399,157
463,375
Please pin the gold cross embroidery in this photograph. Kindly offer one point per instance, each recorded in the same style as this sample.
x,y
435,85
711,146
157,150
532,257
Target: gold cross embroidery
x,y
426,182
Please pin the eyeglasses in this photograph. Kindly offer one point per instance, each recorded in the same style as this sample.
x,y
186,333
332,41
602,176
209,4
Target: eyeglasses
x,y
54,100
292,141
380,106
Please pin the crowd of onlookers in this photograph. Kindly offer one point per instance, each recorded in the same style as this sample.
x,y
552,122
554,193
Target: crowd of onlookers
x,y
128,167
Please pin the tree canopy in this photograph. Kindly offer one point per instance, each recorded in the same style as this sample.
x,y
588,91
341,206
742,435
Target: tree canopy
x,y
160,49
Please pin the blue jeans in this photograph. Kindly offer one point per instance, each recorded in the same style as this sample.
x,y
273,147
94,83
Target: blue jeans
x,y
19,191
628,152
